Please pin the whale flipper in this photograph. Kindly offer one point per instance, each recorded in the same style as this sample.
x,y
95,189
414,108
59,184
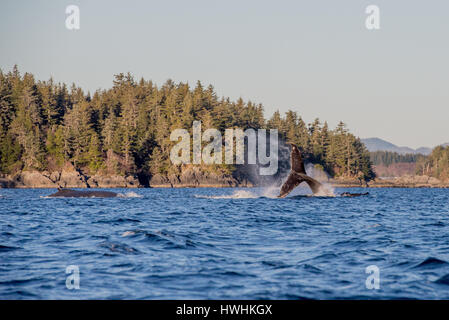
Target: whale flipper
x,y
298,175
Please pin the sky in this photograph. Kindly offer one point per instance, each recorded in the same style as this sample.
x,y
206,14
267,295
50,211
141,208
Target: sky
x,y
315,57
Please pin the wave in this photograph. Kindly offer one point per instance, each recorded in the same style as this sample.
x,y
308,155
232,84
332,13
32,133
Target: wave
x,y
165,237
7,248
239,194
443,280
130,194
118,247
269,192
431,263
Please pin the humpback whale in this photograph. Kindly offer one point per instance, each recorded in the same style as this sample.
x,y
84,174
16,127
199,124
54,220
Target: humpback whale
x,y
68,193
298,175
348,194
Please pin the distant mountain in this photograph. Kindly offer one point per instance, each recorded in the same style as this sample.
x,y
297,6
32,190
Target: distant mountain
x,y
376,144
424,150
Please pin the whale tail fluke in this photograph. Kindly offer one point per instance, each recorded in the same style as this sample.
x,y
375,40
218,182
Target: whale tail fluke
x,y
296,162
298,175
313,184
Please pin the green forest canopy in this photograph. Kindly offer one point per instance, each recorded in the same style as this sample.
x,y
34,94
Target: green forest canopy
x,y
126,129
388,158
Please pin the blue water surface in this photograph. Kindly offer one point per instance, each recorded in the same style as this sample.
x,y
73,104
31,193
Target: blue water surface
x,y
214,243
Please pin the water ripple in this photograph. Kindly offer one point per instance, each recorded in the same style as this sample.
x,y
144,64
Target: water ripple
x,y
225,244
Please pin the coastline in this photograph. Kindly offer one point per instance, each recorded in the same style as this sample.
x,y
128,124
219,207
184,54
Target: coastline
x,y
69,177
190,179
394,182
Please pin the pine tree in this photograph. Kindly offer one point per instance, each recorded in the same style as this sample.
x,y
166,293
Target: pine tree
x,y
94,153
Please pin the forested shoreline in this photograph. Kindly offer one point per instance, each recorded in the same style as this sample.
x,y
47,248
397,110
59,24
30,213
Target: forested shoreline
x,y
388,158
436,164
125,130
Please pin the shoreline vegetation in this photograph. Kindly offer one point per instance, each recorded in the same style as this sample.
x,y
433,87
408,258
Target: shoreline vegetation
x,y
37,180
52,136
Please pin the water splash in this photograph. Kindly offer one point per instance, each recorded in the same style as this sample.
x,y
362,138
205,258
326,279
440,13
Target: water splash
x,y
272,192
130,194
327,190
238,194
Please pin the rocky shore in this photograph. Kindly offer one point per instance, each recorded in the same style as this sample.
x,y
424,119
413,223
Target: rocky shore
x,y
193,177
69,177
407,181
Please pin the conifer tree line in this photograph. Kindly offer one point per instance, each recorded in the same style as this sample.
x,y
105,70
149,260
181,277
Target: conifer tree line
x,y
388,158
436,164
126,129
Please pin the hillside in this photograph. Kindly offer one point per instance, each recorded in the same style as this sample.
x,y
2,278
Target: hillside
x,y
68,136
377,144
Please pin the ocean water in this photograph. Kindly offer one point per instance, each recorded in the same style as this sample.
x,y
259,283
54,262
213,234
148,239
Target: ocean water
x,y
225,244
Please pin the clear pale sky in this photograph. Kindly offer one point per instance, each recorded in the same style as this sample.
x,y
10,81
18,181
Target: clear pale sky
x,y
315,57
